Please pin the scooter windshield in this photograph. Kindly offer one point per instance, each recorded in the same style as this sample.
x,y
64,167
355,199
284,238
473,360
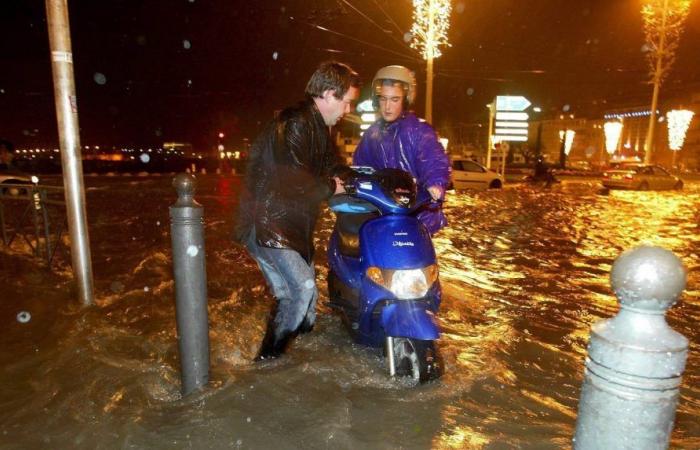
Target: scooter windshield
x,y
397,185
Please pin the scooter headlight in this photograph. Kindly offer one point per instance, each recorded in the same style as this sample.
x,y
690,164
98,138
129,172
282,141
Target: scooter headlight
x,y
405,284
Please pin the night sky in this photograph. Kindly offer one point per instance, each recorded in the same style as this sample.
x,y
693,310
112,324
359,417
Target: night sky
x,y
150,71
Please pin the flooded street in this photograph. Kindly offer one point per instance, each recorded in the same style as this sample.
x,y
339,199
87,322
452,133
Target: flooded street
x,y
525,273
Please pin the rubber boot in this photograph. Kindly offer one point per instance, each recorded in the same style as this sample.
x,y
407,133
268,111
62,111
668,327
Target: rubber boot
x,y
305,327
307,324
273,345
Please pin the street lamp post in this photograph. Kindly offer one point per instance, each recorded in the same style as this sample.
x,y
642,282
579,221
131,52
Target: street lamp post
x,y
663,23
69,137
431,20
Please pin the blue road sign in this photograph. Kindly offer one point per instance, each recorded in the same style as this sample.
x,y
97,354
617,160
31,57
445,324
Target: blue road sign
x,y
512,103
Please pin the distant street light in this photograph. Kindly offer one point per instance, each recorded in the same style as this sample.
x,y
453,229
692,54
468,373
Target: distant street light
x,y
678,121
431,20
612,131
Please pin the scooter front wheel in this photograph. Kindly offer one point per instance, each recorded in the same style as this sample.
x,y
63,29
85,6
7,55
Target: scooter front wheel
x,y
415,359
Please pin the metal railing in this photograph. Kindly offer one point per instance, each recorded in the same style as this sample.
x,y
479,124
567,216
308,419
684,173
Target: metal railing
x,y
34,214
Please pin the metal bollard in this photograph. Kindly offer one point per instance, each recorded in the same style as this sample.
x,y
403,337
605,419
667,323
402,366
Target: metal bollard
x,y
189,266
635,360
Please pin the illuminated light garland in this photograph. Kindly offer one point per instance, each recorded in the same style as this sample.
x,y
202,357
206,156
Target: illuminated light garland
x,y
628,115
612,130
431,21
568,138
678,121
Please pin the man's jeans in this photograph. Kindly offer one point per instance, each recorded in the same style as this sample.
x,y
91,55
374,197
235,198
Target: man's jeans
x,y
292,282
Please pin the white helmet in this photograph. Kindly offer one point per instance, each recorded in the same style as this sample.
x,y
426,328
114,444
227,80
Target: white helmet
x,y
396,73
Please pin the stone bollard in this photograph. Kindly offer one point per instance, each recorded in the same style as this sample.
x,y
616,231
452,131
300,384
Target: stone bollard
x,y
635,360
189,267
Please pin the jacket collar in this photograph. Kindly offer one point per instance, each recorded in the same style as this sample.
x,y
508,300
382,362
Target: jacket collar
x,y
383,125
315,113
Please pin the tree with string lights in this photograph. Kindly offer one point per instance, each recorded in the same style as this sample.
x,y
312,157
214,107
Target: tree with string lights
x,y
431,21
663,26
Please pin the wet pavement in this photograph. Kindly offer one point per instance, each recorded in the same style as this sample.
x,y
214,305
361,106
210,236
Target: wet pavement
x,y
525,272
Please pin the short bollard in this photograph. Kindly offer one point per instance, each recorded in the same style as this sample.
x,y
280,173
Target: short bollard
x,y
189,266
635,360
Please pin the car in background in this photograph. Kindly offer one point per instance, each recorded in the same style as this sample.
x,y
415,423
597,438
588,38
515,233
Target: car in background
x,y
468,174
13,179
641,177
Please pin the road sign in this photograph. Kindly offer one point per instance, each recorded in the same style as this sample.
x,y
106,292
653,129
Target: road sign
x,y
511,103
511,115
502,131
504,124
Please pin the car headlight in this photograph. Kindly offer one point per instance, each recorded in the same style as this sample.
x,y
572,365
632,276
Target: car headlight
x,y
405,284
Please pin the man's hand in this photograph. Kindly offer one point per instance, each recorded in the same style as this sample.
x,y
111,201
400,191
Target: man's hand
x,y
339,186
435,192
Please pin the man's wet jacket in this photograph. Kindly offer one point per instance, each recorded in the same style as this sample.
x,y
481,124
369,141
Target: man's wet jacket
x,y
289,174
411,145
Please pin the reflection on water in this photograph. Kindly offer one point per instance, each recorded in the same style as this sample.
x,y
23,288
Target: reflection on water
x,y
525,273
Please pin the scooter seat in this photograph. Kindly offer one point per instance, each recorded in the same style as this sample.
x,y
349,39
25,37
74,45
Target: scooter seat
x,y
348,226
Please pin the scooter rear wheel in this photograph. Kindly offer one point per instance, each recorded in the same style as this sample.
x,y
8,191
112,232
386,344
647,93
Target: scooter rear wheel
x,y
416,359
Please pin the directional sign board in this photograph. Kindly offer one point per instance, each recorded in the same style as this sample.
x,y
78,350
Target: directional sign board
x,y
510,118
511,115
511,103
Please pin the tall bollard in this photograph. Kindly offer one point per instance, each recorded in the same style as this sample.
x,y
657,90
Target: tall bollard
x,y
635,360
189,266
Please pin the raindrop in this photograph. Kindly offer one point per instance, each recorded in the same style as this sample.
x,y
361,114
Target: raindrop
x,y
191,1
470,91
248,419
144,158
275,55
566,108
186,44
645,48
99,78
460,7
158,132
2,91
146,289
158,223
24,317
407,37
192,250
189,83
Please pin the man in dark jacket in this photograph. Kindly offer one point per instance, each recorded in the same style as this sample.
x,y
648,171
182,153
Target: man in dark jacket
x,y
293,167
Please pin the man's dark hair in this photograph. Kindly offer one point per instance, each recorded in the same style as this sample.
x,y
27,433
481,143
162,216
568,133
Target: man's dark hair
x,y
332,75
7,145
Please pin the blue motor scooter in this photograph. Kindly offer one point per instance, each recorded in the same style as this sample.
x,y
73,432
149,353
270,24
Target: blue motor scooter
x,y
383,276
